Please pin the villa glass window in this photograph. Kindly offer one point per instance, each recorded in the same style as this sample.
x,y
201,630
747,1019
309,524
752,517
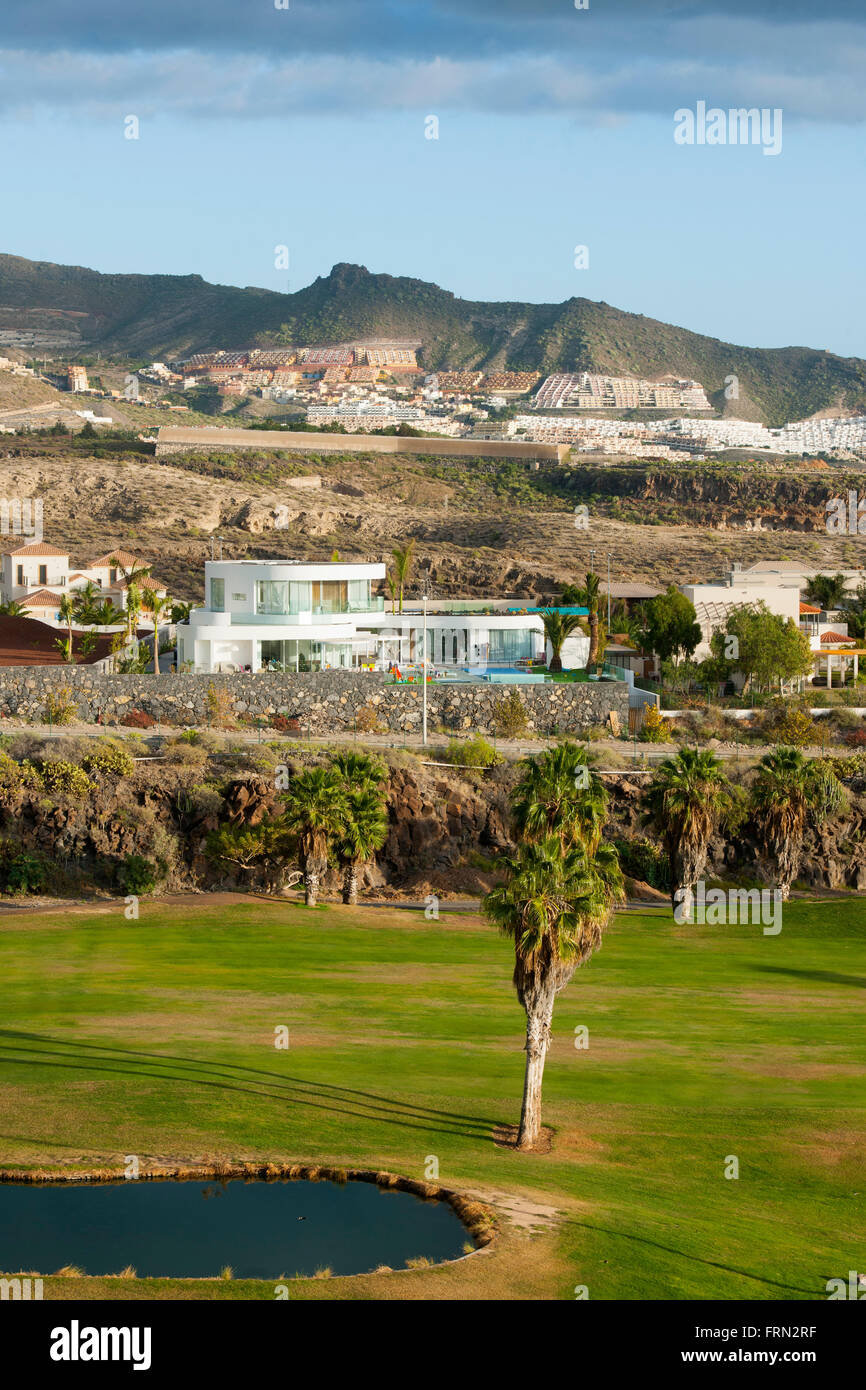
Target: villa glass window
x,y
508,647
272,596
217,595
330,596
359,595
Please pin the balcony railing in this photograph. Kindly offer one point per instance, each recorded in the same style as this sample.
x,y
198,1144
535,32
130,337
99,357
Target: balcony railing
x,y
309,616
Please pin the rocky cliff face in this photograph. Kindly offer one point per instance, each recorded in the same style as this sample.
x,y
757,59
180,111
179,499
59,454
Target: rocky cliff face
x,y
447,830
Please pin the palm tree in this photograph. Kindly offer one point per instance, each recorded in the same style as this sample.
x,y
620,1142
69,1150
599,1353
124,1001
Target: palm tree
x,y
364,830
106,615
827,590
789,790
392,590
131,576
403,557
366,821
65,646
558,794
558,626
13,609
591,601
180,611
313,820
687,800
85,602
156,606
554,904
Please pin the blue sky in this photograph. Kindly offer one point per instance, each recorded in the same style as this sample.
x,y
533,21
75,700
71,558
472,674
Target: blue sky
x,y
306,127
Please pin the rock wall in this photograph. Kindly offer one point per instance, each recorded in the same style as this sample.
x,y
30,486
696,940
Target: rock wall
x,y
322,702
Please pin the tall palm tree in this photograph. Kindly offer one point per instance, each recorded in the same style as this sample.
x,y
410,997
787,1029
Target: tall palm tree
x,y
558,626
313,821
591,601
392,590
403,557
789,790
554,904
559,794
155,606
133,608
687,800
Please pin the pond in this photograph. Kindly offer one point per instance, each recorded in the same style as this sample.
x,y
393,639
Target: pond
x,y
188,1229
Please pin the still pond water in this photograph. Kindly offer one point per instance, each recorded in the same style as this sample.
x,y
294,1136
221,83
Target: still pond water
x,y
194,1229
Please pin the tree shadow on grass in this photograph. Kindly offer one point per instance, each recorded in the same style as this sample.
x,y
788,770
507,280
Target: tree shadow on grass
x,y
692,1259
75,1055
830,977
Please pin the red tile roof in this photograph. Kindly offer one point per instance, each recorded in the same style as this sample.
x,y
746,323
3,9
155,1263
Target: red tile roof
x,y
118,557
808,608
831,638
40,598
37,548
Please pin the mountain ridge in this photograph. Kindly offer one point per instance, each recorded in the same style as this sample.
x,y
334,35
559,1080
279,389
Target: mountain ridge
x,y
176,315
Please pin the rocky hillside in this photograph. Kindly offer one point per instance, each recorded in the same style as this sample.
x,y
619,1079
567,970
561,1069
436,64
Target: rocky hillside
x,y
447,829
171,315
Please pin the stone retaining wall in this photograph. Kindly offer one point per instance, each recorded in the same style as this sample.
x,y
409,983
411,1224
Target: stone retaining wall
x,y
323,702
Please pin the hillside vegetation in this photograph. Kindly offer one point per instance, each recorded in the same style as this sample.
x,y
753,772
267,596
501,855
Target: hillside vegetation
x,y
171,315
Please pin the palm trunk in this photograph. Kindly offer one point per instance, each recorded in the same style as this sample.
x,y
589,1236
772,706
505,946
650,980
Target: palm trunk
x,y
155,646
350,884
539,1013
311,888
555,661
593,640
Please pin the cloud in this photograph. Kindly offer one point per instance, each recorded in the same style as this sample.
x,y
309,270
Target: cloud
x,y
249,59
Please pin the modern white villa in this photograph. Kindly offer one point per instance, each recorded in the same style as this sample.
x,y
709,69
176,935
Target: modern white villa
x,y
275,615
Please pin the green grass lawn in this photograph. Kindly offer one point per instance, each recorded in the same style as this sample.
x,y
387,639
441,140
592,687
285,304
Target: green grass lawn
x,y
156,1038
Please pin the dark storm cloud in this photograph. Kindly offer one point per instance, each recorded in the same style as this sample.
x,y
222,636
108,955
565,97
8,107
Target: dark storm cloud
x,y
242,57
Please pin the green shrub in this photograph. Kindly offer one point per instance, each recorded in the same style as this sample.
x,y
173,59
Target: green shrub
x,y
109,757
509,715
65,779
643,860
60,707
20,871
137,875
472,752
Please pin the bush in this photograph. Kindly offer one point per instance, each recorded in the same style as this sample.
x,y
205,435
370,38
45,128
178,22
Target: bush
x,y
855,738
64,779
20,871
138,719
794,728
284,724
137,875
60,707
109,757
509,715
472,752
367,720
14,777
219,707
655,729
643,860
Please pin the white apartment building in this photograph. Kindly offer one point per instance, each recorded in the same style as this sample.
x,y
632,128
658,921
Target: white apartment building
x,y
281,615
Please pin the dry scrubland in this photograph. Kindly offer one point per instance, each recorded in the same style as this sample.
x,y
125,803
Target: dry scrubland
x,y
479,530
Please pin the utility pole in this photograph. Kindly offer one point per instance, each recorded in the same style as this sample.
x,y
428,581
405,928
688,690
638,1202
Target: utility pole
x,y
424,679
